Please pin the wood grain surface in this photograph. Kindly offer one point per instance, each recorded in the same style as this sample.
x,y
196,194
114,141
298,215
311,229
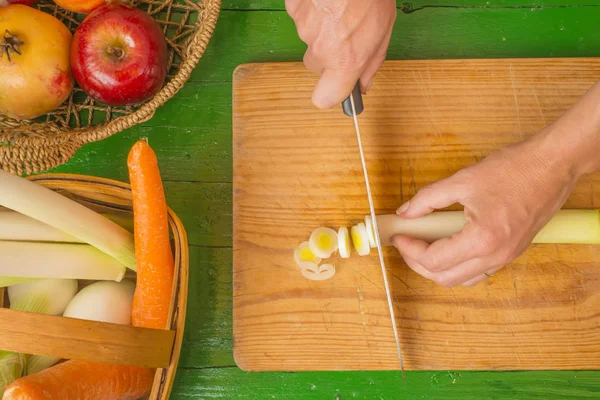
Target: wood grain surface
x,y
297,168
72,338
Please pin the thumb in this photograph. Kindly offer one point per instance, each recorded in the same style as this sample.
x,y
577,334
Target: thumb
x,y
438,195
333,87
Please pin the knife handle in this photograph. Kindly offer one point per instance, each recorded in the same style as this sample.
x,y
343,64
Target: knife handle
x,y
358,103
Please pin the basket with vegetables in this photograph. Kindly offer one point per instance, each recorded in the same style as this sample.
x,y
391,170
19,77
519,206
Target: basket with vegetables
x,y
78,71
93,277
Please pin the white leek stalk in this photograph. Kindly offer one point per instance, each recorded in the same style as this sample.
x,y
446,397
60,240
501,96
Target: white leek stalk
x,y
57,260
20,227
567,226
8,281
62,213
12,366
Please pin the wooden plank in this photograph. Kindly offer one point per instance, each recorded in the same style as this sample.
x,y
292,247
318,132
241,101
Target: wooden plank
x,y
432,33
231,383
296,169
204,209
191,154
72,338
280,4
208,334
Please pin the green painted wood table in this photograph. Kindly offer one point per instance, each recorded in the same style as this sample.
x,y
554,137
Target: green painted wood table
x,y
192,137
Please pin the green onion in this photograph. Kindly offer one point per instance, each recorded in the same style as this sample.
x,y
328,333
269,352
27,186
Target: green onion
x,y
58,211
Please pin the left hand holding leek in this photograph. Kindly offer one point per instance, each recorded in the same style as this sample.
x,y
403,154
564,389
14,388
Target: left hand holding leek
x,y
508,198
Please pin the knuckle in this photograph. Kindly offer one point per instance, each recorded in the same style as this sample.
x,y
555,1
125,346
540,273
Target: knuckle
x,y
431,263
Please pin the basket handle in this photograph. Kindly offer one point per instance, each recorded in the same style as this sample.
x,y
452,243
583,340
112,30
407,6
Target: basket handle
x,y
71,338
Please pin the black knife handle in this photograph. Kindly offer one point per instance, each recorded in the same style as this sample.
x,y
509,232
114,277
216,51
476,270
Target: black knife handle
x,y
358,102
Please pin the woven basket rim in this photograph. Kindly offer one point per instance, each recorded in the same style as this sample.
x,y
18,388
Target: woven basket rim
x,y
26,155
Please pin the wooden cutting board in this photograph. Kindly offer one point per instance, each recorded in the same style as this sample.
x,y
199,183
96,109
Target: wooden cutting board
x,y
297,168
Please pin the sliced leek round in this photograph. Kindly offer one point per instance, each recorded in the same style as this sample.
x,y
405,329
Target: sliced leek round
x,y
308,265
360,239
344,242
303,253
325,271
323,242
370,231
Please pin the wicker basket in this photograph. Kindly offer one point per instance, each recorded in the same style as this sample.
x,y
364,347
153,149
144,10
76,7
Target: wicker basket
x,y
95,341
28,147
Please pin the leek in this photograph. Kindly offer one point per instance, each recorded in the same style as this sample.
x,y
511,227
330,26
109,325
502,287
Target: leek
x,y
8,281
566,226
17,226
57,260
60,212
12,366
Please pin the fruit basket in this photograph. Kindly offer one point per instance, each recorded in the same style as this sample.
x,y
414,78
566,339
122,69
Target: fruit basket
x,y
30,146
69,338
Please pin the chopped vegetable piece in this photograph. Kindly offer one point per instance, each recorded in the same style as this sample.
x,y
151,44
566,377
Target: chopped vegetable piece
x,y
60,212
17,226
308,265
152,297
76,380
370,232
325,271
323,242
344,242
57,260
12,366
360,239
303,253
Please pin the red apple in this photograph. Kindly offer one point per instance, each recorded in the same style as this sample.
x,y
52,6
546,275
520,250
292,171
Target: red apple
x,y
119,55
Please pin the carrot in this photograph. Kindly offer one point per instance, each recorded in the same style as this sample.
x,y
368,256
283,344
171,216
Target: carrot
x,y
74,380
151,234
83,380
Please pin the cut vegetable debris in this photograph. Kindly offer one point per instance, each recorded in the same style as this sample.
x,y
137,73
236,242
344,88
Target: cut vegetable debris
x,y
323,242
29,198
303,253
17,226
370,231
344,242
360,239
324,272
57,260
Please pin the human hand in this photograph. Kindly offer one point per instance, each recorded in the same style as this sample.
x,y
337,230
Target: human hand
x,y
508,198
347,41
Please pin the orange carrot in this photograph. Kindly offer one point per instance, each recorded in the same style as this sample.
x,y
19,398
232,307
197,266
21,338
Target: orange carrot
x,y
152,246
83,380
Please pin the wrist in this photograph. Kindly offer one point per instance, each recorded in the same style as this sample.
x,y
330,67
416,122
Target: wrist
x,y
572,143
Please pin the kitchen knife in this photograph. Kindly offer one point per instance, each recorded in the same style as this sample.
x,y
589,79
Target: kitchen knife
x,y
353,106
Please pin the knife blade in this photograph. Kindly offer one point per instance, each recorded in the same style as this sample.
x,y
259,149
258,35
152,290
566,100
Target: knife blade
x,y
353,106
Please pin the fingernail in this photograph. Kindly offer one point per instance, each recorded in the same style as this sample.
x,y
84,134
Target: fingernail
x,y
369,86
403,208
